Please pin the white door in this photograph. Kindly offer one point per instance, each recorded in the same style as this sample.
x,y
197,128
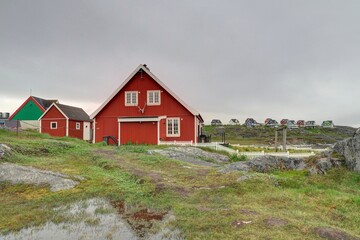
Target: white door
x,y
86,131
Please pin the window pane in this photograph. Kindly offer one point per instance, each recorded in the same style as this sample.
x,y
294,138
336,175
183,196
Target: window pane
x,y
156,100
128,98
170,131
151,97
176,126
133,98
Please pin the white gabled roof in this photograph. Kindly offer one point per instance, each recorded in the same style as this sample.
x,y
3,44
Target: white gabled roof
x,y
145,69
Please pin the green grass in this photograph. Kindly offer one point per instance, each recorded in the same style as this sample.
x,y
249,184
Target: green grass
x,y
204,202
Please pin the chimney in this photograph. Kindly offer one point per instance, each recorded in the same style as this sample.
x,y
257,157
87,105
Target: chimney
x,y
146,67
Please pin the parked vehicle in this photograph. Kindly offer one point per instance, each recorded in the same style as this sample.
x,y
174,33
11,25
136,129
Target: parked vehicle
x,y
215,122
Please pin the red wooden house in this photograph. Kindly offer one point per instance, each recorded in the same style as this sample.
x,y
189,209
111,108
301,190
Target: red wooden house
x,y
143,110
66,121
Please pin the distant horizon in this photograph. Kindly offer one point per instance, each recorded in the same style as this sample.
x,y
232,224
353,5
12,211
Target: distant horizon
x,y
224,118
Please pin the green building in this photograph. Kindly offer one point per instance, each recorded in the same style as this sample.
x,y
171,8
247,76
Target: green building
x,y
30,111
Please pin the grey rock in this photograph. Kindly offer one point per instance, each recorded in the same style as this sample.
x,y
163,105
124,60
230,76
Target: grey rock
x,y
323,165
193,156
268,163
199,153
4,149
29,175
237,166
265,164
350,149
243,178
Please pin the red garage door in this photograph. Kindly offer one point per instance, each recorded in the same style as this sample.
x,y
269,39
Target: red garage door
x,y
138,133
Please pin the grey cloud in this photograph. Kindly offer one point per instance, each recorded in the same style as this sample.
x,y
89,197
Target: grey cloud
x,y
258,58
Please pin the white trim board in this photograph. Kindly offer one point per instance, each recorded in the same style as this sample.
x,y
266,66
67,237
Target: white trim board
x,y
141,119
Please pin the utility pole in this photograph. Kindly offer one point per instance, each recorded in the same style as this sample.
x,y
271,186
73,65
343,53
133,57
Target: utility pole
x,y
283,129
284,139
276,140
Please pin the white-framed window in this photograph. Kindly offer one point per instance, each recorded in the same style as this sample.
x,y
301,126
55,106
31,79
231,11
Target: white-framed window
x,y
153,97
77,126
131,98
53,125
173,127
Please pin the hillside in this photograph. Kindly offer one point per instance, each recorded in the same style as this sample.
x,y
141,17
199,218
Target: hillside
x,y
265,135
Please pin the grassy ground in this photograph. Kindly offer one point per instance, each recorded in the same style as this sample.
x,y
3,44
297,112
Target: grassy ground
x,y
204,202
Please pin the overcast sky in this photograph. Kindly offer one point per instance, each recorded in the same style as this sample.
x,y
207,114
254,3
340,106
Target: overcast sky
x,y
227,59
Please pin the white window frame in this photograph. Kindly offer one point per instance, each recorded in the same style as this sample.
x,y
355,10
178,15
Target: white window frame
x,y
78,126
153,92
172,120
51,125
131,98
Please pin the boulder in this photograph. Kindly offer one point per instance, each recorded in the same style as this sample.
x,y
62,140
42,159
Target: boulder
x,y
268,163
4,149
350,149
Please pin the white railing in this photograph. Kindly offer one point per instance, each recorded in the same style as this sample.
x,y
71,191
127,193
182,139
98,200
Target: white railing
x,y
218,147
277,154
183,143
290,147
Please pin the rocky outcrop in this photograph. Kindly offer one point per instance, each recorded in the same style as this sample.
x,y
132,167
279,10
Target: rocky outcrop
x,y
4,150
193,155
29,175
350,149
268,163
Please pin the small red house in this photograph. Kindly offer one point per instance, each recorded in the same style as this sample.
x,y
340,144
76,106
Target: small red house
x,y
66,121
143,110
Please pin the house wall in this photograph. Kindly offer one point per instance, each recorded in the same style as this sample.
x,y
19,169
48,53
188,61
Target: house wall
x,y
106,120
73,132
53,115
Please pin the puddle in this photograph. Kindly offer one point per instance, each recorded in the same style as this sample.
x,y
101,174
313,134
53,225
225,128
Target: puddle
x,y
98,219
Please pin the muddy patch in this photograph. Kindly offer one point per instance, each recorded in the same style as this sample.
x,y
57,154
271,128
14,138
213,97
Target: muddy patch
x,y
240,223
143,221
99,219
275,222
333,234
248,212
